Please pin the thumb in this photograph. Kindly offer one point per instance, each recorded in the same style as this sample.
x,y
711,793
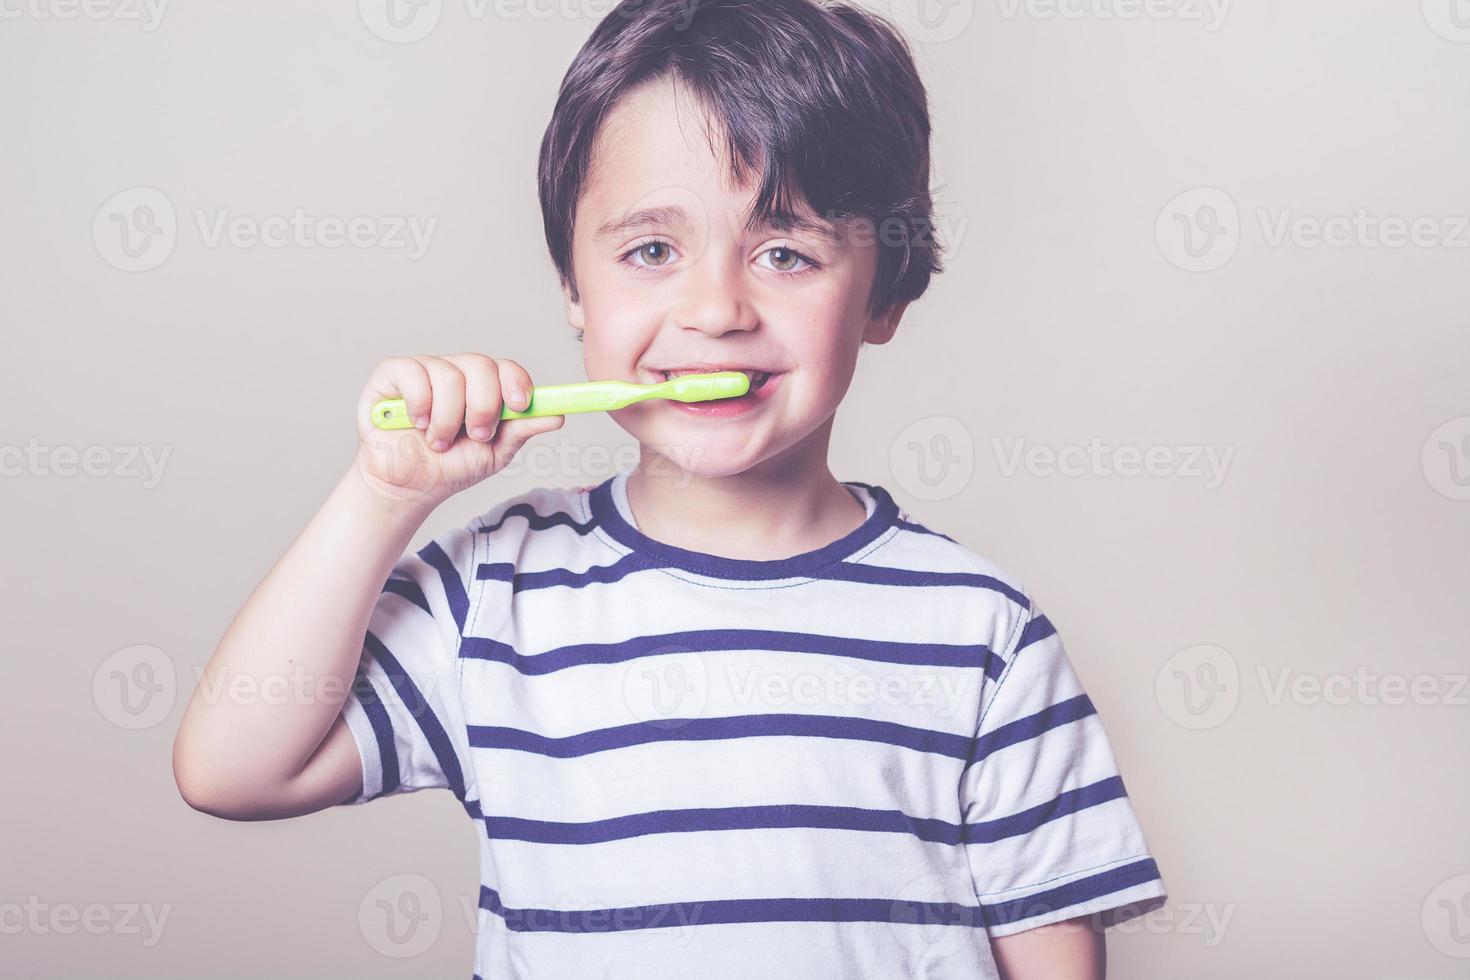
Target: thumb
x,y
512,434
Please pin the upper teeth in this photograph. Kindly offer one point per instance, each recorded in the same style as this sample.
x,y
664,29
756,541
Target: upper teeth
x,y
751,373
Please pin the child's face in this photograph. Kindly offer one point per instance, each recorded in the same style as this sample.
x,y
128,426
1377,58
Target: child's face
x,y
695,288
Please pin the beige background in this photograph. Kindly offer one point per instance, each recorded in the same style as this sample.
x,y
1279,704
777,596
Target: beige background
x,y
1299,837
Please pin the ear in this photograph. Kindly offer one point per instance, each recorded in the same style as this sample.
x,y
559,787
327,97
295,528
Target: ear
x,y
576,315
880,329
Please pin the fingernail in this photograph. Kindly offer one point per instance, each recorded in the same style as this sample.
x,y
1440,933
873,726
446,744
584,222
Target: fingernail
x,y
516,399
480,432
439,444
422,422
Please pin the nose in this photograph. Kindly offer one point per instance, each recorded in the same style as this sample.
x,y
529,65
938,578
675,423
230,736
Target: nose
x,y
714,298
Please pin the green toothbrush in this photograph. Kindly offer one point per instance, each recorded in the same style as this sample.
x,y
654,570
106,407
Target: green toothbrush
x,y
593,396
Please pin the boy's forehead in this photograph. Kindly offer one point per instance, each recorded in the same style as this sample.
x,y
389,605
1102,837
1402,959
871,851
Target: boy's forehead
x,y
659,159
656,127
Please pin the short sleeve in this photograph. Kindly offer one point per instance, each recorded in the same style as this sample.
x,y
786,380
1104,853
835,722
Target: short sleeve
x,y
404,709
1049,831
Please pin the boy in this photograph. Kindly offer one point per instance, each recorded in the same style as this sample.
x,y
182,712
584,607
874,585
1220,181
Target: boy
x,y
720,714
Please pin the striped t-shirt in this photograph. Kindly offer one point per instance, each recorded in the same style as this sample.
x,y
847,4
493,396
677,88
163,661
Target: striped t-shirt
x,y
861,761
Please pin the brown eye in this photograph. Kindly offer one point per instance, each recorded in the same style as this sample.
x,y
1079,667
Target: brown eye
x,y
784,259
654,253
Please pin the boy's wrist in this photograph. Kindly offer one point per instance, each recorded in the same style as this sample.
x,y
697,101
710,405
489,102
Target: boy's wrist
x,y
399,507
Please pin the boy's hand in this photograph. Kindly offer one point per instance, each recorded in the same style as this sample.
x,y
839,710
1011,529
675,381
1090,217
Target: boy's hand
x,y
465,439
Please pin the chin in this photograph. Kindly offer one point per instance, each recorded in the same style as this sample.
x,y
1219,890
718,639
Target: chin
x,y
704,459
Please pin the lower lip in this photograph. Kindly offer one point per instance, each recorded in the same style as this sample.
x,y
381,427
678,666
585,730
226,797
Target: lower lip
x,y
727,407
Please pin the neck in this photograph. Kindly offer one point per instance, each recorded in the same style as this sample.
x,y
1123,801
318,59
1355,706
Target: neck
x,y
783,506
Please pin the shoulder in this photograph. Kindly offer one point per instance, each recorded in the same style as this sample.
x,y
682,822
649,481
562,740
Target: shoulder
x,y
531,510
986,588
476,563
540,518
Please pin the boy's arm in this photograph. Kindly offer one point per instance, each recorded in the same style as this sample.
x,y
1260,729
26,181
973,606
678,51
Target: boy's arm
x,y
300,634
297,644
1069,950
1055,850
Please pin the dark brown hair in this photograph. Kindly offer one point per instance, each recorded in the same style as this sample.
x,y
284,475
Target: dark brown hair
x,y
823,96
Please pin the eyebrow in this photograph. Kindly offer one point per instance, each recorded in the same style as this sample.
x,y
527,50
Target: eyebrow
x,y
641,219
645,217
795,222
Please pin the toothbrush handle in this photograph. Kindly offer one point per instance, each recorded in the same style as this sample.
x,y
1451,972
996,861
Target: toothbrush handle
x,y
581,396
567,399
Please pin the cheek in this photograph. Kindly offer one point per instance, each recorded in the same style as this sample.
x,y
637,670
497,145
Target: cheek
x,y
824,366
617,321
827,330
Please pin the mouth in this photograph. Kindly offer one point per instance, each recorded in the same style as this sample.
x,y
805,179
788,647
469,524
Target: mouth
x,y
758,376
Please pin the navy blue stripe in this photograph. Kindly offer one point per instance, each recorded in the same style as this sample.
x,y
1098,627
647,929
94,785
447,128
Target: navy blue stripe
x,y
1024,729
702,729
459,603
840,571
538,522
409,590
990,831
1073,893
422,713
500,571
609,519
800,815
918,577
921,529
1038,629
730,910
377,716
714,640
789,815
724,911
595,575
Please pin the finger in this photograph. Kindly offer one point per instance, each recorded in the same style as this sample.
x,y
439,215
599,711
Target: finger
x,y
513,434
446,413
515,384
482,394
396,377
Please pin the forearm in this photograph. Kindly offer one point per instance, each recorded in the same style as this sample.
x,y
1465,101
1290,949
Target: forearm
x,y
277,680
1075,949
